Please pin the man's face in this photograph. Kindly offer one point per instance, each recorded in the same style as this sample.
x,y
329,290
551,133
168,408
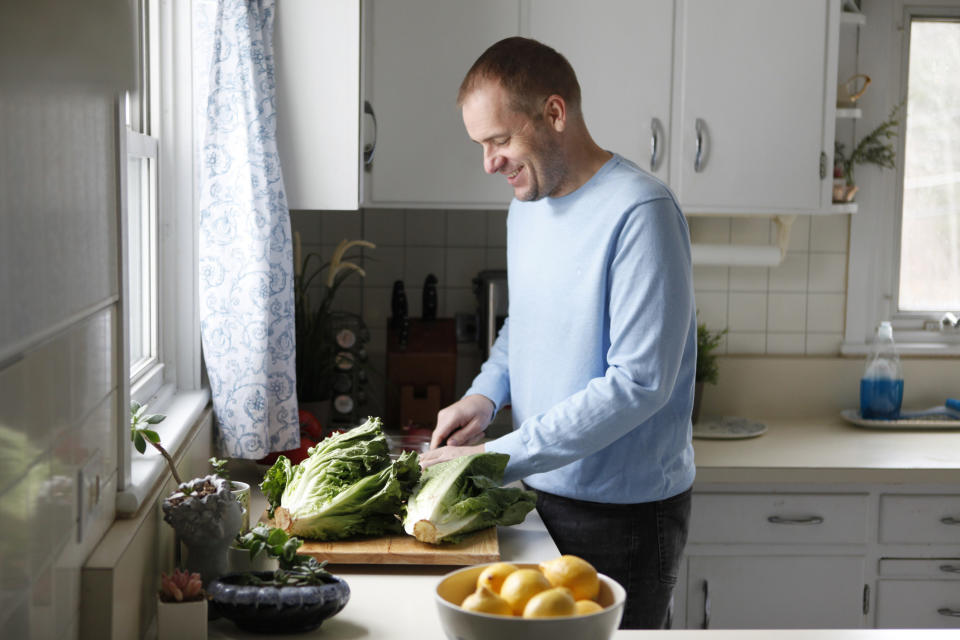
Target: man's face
x,y
524,150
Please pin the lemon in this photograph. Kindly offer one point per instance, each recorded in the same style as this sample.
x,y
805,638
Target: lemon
x,y
483,600
521,585
574,573
550,603
585,607
494,575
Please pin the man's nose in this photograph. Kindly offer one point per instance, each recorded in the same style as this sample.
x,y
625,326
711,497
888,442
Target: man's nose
x,y
492,161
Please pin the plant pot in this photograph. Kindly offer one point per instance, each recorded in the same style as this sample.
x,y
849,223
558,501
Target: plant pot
x,y
206,523
269,609
241,491
182,620
697,395
239,561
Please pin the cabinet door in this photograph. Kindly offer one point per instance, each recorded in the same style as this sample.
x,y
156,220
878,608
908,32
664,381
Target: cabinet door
x,y
317,53
622,52
417,54
764,592
750,87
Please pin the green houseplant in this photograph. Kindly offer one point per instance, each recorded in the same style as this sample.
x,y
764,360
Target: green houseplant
x,y
874,148
707,369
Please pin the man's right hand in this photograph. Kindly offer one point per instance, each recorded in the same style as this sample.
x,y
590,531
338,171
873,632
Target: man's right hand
x,y
463,422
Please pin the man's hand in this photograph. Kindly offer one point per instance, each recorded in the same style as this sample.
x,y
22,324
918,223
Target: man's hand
x,y
442,454
463,422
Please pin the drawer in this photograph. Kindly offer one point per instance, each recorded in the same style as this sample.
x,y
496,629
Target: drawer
x,y
929,568
920,519
778,518
918,604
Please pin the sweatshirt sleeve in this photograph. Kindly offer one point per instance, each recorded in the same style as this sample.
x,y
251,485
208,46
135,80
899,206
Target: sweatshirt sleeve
x,y
493,381
650,301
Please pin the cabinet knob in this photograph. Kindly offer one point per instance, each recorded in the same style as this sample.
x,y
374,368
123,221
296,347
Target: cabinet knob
x,y
947,611
370,147
950,520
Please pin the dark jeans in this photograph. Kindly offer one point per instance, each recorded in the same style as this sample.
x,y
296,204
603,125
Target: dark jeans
x,y
638,545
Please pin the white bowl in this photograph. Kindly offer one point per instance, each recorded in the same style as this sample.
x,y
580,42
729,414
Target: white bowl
x,y
460,624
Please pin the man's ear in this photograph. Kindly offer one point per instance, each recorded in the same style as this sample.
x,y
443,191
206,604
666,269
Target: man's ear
x,y
555,113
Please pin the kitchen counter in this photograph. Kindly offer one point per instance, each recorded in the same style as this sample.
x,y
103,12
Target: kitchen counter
x,y
830,450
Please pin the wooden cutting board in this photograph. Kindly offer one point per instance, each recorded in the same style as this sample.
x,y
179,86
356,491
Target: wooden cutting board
x,y
481,546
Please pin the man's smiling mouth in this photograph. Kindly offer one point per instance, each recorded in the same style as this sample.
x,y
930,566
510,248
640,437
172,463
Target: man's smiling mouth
x,y
511,176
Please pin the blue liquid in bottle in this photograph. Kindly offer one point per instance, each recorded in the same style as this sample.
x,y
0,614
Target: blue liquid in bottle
x,y
880,398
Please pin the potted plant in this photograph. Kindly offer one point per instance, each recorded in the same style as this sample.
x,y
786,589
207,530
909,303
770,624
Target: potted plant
x,y
298,596
874,148
240,490
203,511
319,348
181,607
707,369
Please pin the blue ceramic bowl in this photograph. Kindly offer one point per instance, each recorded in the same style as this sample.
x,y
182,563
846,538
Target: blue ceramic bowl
x,y
276,609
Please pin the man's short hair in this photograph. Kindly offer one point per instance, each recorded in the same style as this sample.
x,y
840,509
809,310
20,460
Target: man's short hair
x,y
528,70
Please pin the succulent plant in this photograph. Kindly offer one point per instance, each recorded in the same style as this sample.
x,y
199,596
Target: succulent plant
x,y
181,586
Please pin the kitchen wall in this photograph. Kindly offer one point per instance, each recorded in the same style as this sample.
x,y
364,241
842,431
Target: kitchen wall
x,y
793,309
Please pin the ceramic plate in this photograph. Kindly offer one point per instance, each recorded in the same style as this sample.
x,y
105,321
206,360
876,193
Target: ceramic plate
x,y
728,428
933,421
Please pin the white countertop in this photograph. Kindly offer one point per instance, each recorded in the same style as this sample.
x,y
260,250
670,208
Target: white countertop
x,y
830,450
396,602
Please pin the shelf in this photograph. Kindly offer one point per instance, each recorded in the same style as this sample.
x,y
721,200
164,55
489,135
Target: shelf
x,y
850,17
847,207
847,112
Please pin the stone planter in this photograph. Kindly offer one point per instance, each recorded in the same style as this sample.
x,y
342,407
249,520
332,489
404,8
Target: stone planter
x,y
182,620
206,516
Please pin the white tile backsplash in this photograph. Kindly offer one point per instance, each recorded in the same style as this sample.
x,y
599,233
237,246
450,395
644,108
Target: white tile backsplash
x,y
828,272
747,312
786,312
793,308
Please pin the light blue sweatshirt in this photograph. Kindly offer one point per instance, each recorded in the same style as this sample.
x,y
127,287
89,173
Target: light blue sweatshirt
x,y
598,354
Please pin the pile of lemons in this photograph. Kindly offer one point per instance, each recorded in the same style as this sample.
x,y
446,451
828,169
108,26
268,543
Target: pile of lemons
x,y
565,586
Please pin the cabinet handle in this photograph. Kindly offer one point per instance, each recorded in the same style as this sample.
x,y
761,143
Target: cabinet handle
x,y
369,148
950,568
946,611
701,158
807,520
706,604
950,520
656,134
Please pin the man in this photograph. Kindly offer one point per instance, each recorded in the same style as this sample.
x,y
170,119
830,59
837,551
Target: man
x,y
598,354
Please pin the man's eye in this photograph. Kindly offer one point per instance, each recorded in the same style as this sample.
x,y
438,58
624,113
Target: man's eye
x,y
501,142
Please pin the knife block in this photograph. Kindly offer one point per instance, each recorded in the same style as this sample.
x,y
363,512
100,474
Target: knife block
x,y
421,374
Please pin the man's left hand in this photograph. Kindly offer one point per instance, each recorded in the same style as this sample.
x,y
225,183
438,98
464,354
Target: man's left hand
x,y
442,454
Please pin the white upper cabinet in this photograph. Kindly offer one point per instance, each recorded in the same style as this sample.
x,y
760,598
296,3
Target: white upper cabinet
x,y
416,54
749,105
621,51
317,52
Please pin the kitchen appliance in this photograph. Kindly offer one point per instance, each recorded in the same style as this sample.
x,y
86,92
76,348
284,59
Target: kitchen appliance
x,y
490,287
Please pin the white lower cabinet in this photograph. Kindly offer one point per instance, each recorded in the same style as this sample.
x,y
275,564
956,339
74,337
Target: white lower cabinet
x,y
918,593
821,556
764,592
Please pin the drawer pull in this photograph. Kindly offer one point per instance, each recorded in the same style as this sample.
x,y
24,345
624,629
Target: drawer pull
x,y
807,520
950,568
946,611
950,520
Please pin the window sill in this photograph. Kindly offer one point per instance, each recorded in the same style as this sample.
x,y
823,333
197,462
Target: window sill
x,y
148,470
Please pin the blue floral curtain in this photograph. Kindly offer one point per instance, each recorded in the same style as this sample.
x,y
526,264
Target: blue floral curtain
x,y
246,256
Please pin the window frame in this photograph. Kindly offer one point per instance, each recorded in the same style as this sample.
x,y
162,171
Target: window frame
x,y
173,383
875,232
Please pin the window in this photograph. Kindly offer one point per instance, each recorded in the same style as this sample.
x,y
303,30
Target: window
x,y
904,262
160,274
930,212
